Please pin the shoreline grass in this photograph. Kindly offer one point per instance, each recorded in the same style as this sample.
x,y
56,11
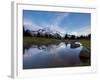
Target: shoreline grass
x,y
39,40
45,41
86,43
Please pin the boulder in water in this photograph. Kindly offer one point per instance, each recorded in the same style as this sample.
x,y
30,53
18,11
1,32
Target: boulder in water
x,y
85,53
75,45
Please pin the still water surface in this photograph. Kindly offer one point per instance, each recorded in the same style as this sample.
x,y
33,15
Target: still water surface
x,y
53,55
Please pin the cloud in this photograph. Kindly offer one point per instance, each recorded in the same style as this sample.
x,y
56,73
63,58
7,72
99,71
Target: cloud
x,y
74,33
82,31
55,26
57,21
28,24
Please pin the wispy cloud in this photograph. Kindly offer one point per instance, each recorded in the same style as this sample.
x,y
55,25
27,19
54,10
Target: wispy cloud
x,y
81,31
55,26
57,21
31,25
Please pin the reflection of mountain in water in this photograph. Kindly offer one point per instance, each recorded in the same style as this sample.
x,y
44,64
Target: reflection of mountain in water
x,y
53,55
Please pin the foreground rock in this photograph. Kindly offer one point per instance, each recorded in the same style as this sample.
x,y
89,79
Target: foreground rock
x,y
85,53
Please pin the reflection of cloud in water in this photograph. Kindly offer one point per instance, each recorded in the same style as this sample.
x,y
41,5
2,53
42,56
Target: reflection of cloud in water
x,y
62,45
31,51
53,55
51,49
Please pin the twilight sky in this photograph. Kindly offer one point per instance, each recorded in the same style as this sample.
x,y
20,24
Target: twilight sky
x,y
64,22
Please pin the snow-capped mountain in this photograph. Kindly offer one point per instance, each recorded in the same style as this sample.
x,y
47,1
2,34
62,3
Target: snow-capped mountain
x,y
44,31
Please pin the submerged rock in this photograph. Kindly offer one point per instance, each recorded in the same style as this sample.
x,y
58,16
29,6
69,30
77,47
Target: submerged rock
x,y
85,53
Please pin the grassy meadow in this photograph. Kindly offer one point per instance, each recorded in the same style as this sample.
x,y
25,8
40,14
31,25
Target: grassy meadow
x,y
86,42
39,40
44,41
